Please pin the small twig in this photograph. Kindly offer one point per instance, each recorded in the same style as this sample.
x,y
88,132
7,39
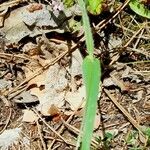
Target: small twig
x,y
134,35
52,129
131,31
138,39
103,23
126,45
139,62
5,101
19,56
140,51
7,121
68,121
39,144
12,3
20,90
41,136
130,118
56,147
118,83
52,138
77,131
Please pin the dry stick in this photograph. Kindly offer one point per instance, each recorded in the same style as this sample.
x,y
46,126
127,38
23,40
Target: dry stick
x,y
19,90
56,147
140,51
40,147
77,131
41,136
2,16
52,138
138,40
2,75
146,37
52,129
5,101
130,118
68,120
119,83
14,2
7,121
6,55
121,25
133,36
126,45
104,22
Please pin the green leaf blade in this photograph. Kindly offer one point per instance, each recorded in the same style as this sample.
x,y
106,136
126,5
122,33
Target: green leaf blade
x,y
139,8
91,75
95,6
87,29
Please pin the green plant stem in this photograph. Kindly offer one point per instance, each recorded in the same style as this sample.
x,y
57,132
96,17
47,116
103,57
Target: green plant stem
x,y
86,25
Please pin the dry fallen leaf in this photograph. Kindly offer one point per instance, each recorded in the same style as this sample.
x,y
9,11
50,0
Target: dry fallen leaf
x,y
25,97
108,82
16,26
75,98
29,116
50,89
40,17
76,64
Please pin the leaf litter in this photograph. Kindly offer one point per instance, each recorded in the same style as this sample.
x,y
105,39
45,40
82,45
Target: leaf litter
x,y
32,36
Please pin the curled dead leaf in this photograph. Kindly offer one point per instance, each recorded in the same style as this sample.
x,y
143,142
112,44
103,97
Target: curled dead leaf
x,y
34,7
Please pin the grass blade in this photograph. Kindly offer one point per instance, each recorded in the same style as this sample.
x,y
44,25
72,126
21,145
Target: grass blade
x,y
87,29
139,8
91,75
